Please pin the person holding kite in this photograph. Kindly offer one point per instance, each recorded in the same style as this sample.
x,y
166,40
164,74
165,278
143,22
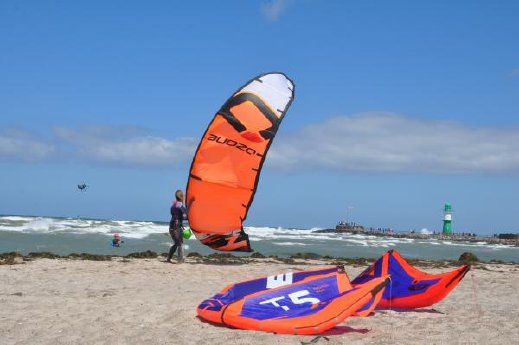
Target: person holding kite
x,y
178,214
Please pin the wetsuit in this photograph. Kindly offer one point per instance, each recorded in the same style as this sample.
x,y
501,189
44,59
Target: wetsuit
x,y
178,213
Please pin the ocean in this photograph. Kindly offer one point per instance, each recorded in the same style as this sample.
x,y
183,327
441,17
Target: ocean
x,y
62,236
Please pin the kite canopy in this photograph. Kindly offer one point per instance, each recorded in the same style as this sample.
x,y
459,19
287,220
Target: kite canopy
x,y
409,287
225,170
307,302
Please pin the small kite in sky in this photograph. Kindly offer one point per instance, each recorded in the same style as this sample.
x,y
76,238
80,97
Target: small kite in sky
x,y
82,187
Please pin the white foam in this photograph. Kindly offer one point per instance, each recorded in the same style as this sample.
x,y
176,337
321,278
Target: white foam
x,y
360,242
129,229
276,235
16,218
290,244
434,243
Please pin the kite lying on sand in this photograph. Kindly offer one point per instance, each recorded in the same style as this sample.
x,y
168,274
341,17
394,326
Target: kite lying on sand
x,y
409,287
313,301
308,302
225,170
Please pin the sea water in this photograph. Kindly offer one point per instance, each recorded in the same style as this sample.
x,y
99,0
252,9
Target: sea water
x,y
62,236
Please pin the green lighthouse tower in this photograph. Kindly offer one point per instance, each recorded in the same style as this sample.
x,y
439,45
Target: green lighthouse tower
x,y
447,219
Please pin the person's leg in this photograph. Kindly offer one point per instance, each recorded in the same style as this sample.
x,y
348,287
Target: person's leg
x,y
174,246
172,251
180,253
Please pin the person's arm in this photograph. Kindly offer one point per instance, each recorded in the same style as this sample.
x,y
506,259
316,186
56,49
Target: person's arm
x,y
182,209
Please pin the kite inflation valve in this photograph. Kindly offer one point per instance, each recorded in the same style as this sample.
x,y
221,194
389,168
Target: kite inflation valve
x,y
186,233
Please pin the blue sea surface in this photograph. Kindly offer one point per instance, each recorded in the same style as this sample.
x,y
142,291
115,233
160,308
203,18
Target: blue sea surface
x,y
63,236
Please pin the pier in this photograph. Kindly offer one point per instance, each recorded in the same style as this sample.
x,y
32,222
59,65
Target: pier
x,y
355,228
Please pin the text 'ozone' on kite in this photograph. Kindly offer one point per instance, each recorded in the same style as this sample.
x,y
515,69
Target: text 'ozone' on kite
x,y
226,167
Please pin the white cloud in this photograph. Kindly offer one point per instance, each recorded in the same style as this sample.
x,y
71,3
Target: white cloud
x,y
274,9
126,145
367,142
514,73
20,145
385,142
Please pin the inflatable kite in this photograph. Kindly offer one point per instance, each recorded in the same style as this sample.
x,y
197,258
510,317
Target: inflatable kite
x,y
226,167
409,287
307,302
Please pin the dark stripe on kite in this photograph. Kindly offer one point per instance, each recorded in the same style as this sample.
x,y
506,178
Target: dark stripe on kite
x,y
379,287
268,133
233,121
460,273
258,102
345,309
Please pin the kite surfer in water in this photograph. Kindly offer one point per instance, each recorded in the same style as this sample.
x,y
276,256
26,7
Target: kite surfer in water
x,y
116,241
178,214
82,187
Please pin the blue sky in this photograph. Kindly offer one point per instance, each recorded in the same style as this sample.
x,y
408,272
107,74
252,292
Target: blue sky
x,y
400,107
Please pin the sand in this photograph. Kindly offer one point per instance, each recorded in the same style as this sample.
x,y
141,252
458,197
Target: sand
x,y
147,301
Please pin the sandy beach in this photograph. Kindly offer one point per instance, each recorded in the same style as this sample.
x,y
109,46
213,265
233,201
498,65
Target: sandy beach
x,y
146,301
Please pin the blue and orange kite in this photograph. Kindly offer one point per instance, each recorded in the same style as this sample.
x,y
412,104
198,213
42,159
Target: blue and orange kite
x,y
308,302
410,288
313,301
